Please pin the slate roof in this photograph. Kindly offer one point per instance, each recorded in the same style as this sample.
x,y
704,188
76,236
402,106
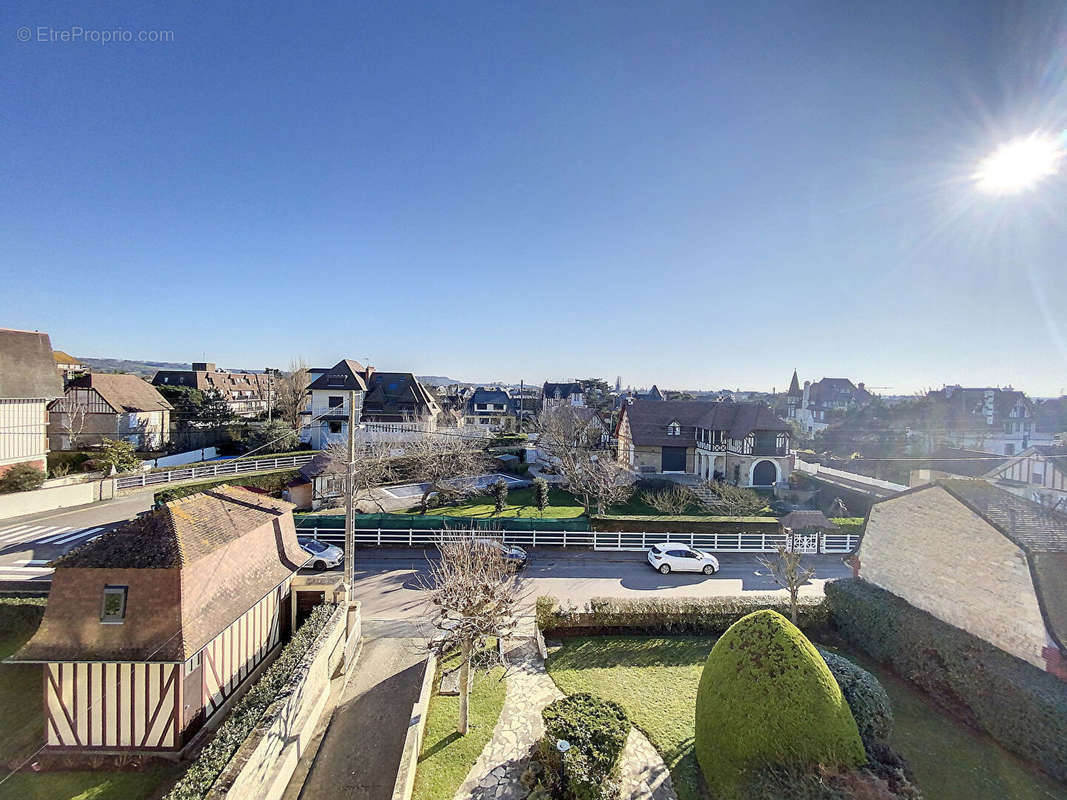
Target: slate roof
x,y
27,368
345,375
794,386
191,567
649,420
123,392
1040,532
482,395
397,393
565,390
969,463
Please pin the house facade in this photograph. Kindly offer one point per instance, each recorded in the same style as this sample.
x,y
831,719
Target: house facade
x,y
812,407
557,394
29,381
246,393
98,407
744,444
979,558
330,397
150,629
995,420
489,407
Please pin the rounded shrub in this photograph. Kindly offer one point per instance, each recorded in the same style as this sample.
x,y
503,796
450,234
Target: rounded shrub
x,y
865,697
766,697
596,731
21,478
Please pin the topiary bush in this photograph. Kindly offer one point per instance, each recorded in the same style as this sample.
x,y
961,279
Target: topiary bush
x,y
596,731
21,478
1019,705
766,698
866,698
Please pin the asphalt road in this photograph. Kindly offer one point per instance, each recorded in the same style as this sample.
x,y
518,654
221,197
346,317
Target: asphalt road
x,y
28,543
389,582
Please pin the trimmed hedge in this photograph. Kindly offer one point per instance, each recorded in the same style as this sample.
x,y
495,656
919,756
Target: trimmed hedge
x,y
596,731
246,713
1019,705
767,698
684,524
865,696
21,478
271,482
853,525
402,522
709,616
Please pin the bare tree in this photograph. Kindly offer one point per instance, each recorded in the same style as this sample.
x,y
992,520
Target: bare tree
x,y
733,501
788,573
670,500
572,438
474,595
375,466
73,422
447,465
290,392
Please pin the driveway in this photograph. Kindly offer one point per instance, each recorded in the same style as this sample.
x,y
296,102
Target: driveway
x,y
388,581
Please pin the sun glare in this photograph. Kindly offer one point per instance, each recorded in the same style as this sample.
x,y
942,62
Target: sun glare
x,y
1019,164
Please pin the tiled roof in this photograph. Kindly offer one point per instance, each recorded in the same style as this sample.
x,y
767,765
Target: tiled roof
x,y
191,568
649,420
27,369
123,392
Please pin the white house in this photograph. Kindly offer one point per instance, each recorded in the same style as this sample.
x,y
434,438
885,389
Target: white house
x,y
28,382
557,394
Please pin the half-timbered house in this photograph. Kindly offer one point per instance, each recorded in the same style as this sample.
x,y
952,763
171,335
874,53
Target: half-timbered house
x,y
99,407
150,630
744,444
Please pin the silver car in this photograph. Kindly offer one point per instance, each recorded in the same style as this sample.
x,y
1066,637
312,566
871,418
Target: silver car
x,y
324,555
677,557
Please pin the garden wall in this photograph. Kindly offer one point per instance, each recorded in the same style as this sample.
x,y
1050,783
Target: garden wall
x,y
15,504
263,765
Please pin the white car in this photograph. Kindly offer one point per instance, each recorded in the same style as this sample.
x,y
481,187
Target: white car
x,y
677,557
325,555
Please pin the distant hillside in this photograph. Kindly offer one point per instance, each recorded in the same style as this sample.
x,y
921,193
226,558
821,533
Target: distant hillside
x,y
146,369
440,380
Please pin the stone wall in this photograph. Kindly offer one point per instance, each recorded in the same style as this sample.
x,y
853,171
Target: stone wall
x,y
937,554
262,767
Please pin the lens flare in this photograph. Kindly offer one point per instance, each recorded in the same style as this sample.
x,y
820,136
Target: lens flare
x,y
1020,164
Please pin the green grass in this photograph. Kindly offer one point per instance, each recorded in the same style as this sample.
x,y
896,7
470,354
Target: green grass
x,y
561,505
22,723
447,757
655,680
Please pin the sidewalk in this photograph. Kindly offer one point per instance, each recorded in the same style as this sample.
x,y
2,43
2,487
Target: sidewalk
x,y
360,752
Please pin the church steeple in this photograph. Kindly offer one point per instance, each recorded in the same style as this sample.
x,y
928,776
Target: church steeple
x,y
794,386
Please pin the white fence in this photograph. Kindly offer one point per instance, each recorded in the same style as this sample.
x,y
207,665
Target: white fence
x,y
830,473
234,467
598,540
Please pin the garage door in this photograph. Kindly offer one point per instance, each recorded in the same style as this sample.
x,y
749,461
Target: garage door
x,y
673,459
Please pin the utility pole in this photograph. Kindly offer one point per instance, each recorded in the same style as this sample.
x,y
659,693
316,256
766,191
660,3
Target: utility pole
x,y
350,498
522,388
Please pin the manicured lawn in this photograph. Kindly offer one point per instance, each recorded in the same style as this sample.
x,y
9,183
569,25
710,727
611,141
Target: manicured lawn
x,y
655,680
447,757
22,724
561,505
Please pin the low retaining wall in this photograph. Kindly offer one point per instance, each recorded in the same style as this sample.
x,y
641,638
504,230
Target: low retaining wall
x,y
15,504
263,765
409,758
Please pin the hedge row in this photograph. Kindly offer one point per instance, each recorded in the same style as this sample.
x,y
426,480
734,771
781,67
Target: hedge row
x,y
685,615
216,754
1019,705
431,522
270,482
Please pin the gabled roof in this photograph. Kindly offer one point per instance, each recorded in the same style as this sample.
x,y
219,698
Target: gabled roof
x,y
482,395
397,393
190,568
345,375
794,387
27,369
1057,454
122,392
649,420
565,390
798,520
1040,532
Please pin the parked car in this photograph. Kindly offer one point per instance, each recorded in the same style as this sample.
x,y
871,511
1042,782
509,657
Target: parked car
x,y
676,557
515,555
325,555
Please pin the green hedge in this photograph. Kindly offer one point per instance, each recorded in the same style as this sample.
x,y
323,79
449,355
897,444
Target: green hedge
x,y
1019,705
246,713
853,525
596,731
430,522
865,696
684,524
684,615
269,481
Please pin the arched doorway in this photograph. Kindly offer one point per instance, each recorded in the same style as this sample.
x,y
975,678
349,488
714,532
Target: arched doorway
x,y
764,473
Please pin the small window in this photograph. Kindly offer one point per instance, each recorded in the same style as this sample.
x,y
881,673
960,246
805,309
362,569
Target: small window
x,y
336,402
114,607
674,429
335,427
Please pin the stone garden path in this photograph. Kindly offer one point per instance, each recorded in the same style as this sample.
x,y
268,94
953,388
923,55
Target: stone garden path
x,y
495,775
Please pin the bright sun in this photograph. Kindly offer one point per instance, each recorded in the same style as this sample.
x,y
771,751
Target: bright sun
x,y
1019,164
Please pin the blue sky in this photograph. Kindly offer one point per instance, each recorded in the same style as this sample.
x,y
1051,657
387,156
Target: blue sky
x,y
695,195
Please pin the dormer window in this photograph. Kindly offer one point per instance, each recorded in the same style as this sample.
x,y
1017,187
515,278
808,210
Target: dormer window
x,y
674,429
113,608
335,380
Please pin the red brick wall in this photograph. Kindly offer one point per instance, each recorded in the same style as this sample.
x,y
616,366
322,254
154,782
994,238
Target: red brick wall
x,y
39,463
